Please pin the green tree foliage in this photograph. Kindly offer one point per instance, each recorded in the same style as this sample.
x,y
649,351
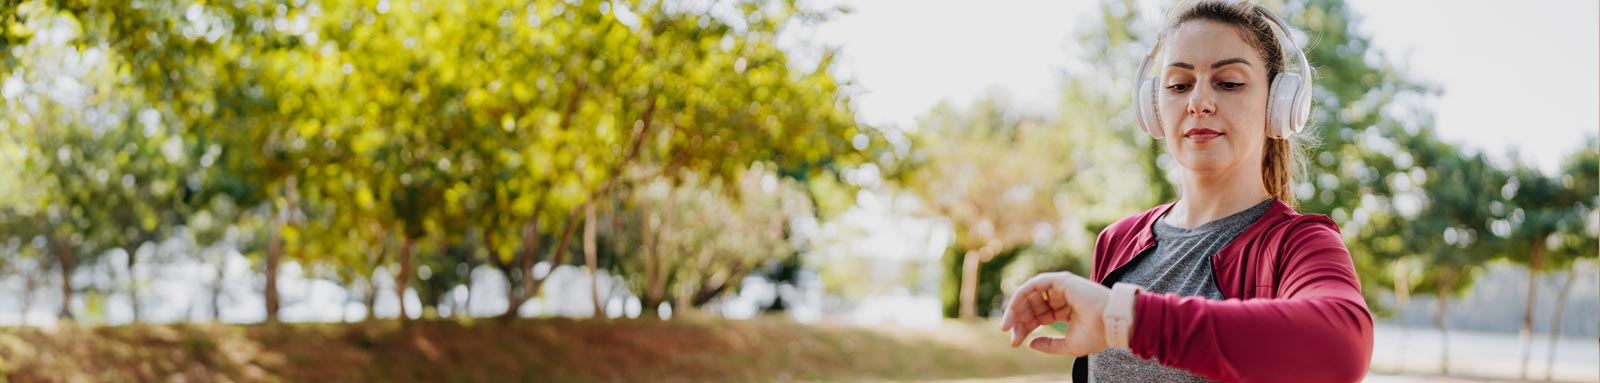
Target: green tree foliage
x,y
358,132
103,161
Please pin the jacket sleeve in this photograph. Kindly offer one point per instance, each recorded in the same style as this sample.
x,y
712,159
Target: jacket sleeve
x,y
1317,329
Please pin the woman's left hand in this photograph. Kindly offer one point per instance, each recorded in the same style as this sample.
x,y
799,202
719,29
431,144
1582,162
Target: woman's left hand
x,y
1058,297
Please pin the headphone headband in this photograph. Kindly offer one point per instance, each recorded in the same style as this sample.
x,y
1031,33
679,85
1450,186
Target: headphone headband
x,y
1305,65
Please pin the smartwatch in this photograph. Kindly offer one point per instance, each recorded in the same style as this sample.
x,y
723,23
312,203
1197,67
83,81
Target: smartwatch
x,y
1118,315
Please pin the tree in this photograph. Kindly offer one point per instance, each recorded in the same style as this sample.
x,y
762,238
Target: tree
x,y
59,107
993,173
1368,128
201,66
1540,207
723,233
1445,224
1576,238
723,97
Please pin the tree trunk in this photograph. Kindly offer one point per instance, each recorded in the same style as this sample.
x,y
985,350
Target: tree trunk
x,y
133,280
656,264
1526,334
444,251
651,308
969,285
216,288
647,249
558,255
375,258
1555,322
400,281
530,283
530,255
466,304
274,252
29,284
66,281
284,218
468,258
370,300
681,301
590,259
512,292
1402,287
1439,320
35,277
711,289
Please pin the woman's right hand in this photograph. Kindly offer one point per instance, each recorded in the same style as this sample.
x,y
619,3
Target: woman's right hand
x,y
1058,297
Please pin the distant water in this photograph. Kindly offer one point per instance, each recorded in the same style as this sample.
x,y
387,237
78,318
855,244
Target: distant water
x,y
1483,354
1497,297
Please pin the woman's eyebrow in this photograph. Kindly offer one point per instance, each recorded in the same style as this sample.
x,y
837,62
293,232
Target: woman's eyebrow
x,y
1219,64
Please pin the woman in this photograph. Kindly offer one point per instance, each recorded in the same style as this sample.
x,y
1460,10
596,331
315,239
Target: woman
x,y
1229,282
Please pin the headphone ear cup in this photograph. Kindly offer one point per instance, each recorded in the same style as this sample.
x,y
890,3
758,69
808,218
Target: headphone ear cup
x,y
1284,114
1144,104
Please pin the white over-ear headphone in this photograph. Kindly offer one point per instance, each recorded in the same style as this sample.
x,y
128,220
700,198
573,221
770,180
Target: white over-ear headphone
x,y
1288,99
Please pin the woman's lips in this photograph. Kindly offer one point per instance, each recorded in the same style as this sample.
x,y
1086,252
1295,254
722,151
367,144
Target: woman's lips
x,y
1201,135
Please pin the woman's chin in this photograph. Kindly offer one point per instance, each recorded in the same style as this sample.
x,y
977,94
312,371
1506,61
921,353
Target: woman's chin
x,y
1205,163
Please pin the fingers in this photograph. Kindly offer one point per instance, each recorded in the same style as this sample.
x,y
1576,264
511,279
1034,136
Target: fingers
x,y
1058,304
1018,300
1038,302
1050,345
1022,323
1005,319
1016,303
1019,333
1025,306
1041,301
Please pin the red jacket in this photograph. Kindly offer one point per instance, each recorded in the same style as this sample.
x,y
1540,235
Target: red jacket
x,y
1294,310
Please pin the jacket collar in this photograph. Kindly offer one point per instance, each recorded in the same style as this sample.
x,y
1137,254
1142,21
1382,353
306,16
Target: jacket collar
x,y
1144,237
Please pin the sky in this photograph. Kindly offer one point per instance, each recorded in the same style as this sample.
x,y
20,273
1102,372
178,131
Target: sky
x,y
1515,75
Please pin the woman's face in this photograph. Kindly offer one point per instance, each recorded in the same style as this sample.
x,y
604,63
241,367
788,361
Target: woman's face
x,y
1213,103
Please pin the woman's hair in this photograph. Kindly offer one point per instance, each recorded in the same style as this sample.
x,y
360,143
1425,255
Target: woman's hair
x,y
1283,158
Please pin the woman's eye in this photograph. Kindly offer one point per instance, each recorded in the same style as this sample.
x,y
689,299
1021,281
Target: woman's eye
x,y
1231,85
1178,88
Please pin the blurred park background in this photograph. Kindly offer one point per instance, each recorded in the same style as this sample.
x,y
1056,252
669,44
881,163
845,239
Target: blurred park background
x,y
733,190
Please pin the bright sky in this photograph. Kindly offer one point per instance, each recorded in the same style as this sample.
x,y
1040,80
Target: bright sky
x,y
1519,76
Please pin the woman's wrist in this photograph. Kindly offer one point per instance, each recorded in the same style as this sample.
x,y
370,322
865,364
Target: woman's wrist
x,y
1118,314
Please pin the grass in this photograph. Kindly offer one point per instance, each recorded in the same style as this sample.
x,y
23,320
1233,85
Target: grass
x,y
684,349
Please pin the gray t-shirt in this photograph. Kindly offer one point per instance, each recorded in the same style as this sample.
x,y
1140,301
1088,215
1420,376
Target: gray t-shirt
x,y
1180,263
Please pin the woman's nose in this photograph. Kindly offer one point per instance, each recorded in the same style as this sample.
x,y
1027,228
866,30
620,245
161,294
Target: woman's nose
x,y
1202,102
